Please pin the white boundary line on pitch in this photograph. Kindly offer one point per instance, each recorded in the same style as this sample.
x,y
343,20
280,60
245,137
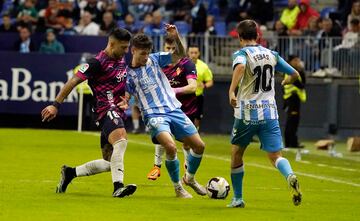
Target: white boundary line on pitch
x,y
252,164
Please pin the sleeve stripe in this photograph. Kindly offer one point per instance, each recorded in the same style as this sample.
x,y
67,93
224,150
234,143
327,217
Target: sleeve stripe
x,y
191,76
81,75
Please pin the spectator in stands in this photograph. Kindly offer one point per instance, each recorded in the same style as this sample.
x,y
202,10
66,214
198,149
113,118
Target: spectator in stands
x,y
342,54
27,15
198,17
210,25
328,31
351,37
86,25
302,20
68,27
289,14
108,23
237,11
343,10
7,26
282,43
148,19
130,23
94,7
139,8
157,27
51,45
50,16
262,11
311,43
355,13
25,43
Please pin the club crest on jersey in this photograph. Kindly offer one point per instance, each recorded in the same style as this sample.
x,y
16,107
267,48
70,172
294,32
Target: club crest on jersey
x,y
84,67
178,71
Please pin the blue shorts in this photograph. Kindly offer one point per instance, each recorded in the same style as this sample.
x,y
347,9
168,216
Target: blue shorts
x,y
174,122
268,132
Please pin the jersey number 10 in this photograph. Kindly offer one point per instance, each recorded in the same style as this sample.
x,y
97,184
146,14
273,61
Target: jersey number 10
x,y
261,75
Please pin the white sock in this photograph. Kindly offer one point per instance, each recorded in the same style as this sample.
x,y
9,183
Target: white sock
x,y
117,161
186,154
92,167
136,123
159,152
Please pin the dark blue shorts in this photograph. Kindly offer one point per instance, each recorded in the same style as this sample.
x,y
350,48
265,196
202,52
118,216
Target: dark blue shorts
x,y
110,122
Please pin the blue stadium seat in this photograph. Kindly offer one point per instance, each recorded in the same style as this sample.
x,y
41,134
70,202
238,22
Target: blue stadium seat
x,y
220,28
326,11
7,6
280,3
182,27
121,23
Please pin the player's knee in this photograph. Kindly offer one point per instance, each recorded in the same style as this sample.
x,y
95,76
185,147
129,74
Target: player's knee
x,y
273,157
199,147
170,148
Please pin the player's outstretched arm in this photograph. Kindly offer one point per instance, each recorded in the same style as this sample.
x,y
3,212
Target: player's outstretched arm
x,y
180,51
50,112
237,75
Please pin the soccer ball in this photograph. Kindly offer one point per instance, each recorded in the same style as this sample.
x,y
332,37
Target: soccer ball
x,y
217,188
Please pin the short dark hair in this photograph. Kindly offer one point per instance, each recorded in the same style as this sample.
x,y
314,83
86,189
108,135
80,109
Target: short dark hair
x,y
247,30
292,57
120,34
141,41
169,39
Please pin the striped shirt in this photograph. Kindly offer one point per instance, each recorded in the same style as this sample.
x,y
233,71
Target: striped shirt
x,y
151,87
106,78
256,94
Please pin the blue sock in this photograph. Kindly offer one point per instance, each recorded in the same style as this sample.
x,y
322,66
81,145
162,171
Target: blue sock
x,y
283,166
193,162
172,167
237,175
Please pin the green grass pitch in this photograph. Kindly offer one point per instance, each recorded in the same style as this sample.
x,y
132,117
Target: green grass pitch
x,y
30,162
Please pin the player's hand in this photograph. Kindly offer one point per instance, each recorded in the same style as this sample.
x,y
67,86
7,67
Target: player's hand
x,y
286,81
233,100
171,30
49,113
123,104
201,85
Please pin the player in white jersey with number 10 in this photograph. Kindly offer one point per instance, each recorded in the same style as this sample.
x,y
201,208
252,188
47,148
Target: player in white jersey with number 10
x,y
255,108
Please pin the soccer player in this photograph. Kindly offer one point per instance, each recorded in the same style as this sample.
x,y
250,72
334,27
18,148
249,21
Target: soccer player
x,y
204,80
182,78
255,108
106,75
161,110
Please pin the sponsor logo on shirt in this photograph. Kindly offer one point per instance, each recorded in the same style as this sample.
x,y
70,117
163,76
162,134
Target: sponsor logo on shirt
x,y
83,68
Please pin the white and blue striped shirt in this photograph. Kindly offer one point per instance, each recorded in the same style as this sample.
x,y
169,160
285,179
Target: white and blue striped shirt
x,y
151,87
256,94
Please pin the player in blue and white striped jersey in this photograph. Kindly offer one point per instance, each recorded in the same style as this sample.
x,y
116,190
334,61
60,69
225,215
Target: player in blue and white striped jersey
x,y
161,110
255,108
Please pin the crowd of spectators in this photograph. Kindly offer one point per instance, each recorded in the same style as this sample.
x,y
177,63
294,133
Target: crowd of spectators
x,y
98,17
